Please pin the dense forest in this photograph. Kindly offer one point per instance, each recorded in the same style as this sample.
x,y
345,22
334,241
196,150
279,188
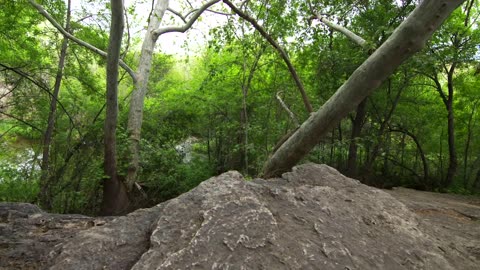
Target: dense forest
x,y
94,117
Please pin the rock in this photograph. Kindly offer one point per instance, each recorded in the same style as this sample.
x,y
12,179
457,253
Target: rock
x,y
30,236
453,219
311,218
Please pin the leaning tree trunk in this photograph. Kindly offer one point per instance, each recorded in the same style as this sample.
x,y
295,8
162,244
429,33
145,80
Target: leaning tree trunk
x,y
45,198
407,39
115,199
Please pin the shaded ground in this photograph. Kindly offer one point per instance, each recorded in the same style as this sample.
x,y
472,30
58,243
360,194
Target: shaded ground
x,y
449,217
311,217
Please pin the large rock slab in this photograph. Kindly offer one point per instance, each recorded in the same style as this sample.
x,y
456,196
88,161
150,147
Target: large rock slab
x,y
311,218
30,236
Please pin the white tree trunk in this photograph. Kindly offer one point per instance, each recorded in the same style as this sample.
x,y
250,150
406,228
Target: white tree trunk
x,y
135,115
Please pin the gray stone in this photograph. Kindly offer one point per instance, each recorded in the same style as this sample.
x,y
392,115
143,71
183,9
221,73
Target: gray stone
x,y
311,218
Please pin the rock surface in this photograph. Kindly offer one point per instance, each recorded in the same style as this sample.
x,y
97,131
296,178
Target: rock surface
x,y
311,218
28,235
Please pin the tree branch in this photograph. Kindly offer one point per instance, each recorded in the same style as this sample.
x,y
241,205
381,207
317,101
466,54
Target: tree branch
x,y
8,130
178,14
22,121
285,107
44,88
349,34
220,13
439,88
188,24
279,49
80,42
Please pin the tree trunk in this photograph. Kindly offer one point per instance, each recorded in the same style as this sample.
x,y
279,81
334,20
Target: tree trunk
x,y
476,183
440,156
402,153
246,82
376,148
386,168
340,147
419,147
115,199
135,115
466,175
452,153
407,39
356,130
45,198
332,147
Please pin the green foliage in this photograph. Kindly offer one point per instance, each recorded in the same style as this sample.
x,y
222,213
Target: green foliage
x,y
165,176
14,188
228,103
18,174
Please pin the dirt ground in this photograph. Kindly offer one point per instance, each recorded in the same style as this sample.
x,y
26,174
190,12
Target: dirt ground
x,y
450,217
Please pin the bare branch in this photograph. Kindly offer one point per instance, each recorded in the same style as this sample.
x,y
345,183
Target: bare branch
x,y
187,25
280,50
285,107
80,42
178,14
349,34
189,3
439,88
129,36
220,13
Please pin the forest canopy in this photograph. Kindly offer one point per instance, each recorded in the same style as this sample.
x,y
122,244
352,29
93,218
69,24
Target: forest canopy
x,y
96,117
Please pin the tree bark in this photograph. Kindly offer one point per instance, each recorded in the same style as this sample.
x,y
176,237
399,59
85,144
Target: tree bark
x,y
419,147
135,115
115,199
45,198
376,148
349,34
452,153
356,130
140,78
246,82
408,38
289,112
466,175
